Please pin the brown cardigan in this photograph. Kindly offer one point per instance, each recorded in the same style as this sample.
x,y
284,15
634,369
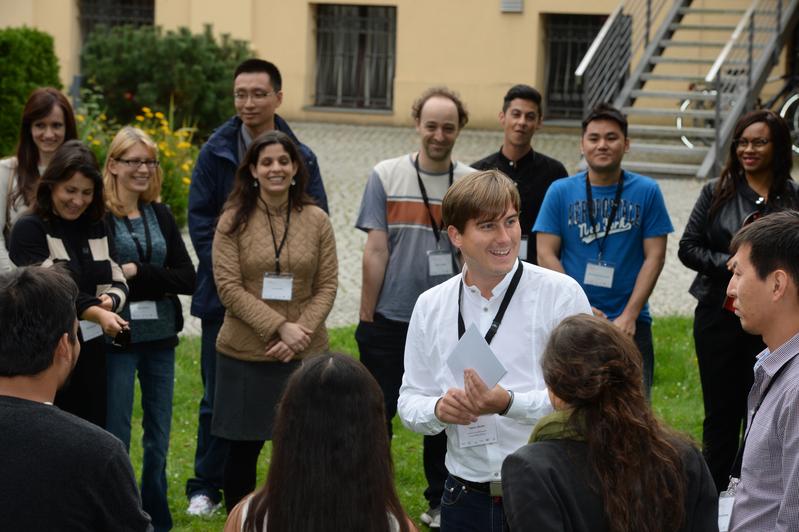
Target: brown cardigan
x,y
240,261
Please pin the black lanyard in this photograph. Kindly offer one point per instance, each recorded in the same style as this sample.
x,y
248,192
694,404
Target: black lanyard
x,y
433,224
735,472
514,282
616,200
144,257
279,248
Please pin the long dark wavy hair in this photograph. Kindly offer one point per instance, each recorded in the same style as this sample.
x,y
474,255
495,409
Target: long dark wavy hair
x,y
733,173
40,104
244,196
331,466
71,157
596,369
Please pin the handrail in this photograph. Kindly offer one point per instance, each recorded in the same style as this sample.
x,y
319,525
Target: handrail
x,y
722,58
589,55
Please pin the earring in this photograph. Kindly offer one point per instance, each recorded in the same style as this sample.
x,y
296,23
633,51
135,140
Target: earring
x,y
293,181
254,183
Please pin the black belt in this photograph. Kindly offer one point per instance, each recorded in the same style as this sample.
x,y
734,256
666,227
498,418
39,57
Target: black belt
x,y
481,487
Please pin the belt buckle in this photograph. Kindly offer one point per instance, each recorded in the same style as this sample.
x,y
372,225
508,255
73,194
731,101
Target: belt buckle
x,y
495,488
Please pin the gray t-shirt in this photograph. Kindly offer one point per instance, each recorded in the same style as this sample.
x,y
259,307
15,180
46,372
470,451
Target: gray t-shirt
x,y
392,202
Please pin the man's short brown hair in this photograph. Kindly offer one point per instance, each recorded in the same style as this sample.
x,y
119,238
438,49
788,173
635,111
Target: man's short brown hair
x,y
479,196
443,92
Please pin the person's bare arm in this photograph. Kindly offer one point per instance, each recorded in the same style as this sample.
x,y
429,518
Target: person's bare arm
x,y
375,260
654,259
548,251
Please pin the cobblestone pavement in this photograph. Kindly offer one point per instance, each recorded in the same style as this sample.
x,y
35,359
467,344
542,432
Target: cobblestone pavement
x,y
347,153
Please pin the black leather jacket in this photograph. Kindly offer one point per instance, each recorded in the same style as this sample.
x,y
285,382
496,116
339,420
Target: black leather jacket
x,y
705,244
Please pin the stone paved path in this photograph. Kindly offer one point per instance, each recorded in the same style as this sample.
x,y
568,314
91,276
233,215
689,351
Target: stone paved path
x,y
346,154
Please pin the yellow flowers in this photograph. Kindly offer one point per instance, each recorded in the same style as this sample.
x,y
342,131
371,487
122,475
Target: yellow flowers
x,y
176,152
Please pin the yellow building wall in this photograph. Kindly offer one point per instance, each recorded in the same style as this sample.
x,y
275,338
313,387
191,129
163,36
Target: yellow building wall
x,y
59,18
468,45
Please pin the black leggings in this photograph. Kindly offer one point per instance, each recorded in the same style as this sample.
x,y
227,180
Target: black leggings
x,y
240,470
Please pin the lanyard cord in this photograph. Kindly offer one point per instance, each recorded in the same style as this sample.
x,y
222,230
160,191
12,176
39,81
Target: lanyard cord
x,y
514,282
278,249
735,472
436,228
616,200
144,257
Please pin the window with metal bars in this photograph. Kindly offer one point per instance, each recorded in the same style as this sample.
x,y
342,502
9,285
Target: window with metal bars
x,y
115,13
355,56
568,39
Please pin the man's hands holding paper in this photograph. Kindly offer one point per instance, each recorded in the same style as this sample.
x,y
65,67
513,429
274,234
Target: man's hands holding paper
x,y
462,407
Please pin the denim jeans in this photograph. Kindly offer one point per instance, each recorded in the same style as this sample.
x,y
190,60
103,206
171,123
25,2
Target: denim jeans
x,y
156,370
211,453
466,510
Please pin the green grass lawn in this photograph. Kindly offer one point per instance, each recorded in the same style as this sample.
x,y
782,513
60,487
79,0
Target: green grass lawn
x,y
676,396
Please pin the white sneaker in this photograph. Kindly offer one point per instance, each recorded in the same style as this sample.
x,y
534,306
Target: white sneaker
x,y
202,505
432,517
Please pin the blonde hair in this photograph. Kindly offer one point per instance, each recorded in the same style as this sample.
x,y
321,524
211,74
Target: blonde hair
x,y
479,196
128,137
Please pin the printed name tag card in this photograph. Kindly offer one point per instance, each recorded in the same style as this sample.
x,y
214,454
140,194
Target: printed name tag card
x,y
277,287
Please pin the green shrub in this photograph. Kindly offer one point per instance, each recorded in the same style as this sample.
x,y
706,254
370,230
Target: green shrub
x,y
27,61
176,152
146,67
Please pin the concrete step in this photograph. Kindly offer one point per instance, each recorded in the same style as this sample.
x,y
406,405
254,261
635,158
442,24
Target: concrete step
x,y
670,111
648,130
674,95
698,44
659,59
710,11
672,77
727,28
660,169
669,149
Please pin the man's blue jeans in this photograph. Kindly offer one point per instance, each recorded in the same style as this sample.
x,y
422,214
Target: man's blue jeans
x,y
466,510
211,453
156,370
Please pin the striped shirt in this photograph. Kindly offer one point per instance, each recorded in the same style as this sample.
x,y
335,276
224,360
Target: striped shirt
x,y
767,498
392,202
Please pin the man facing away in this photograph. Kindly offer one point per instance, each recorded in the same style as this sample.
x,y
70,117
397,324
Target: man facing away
x,y
57,471
765,291
532,171
607,228
257,94
514,305
407,251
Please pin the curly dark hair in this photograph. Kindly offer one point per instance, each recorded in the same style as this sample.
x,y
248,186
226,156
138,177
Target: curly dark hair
x,y
733,173
596,369
443,92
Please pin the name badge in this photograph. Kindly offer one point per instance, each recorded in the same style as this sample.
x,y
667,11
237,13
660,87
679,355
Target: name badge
x,y
143,310
523,248
598,273
277,287
725,510
481,432
439,263
90,330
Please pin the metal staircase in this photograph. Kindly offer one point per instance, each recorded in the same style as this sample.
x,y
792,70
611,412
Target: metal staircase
x,y
684,74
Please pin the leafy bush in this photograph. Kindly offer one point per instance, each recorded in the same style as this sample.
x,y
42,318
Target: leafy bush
x,y
27,61
177,153
146,67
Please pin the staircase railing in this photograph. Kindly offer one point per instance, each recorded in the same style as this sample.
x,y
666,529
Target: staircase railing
x,y
742,68
621,42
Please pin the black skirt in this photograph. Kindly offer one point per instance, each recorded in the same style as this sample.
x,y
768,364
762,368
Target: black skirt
x,y
246,397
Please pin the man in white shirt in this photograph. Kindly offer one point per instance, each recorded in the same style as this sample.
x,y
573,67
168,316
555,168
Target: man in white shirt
x,y
515,305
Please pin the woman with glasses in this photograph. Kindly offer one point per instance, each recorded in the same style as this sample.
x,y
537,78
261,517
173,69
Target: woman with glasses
x,y
755,181
602,461
65,225
47,122
157,267
275,267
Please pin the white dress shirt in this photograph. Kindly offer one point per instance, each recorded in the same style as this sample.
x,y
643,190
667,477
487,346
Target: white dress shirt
x,y
542,299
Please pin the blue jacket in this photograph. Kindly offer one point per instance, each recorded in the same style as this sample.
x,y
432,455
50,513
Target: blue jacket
x,y
211,182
